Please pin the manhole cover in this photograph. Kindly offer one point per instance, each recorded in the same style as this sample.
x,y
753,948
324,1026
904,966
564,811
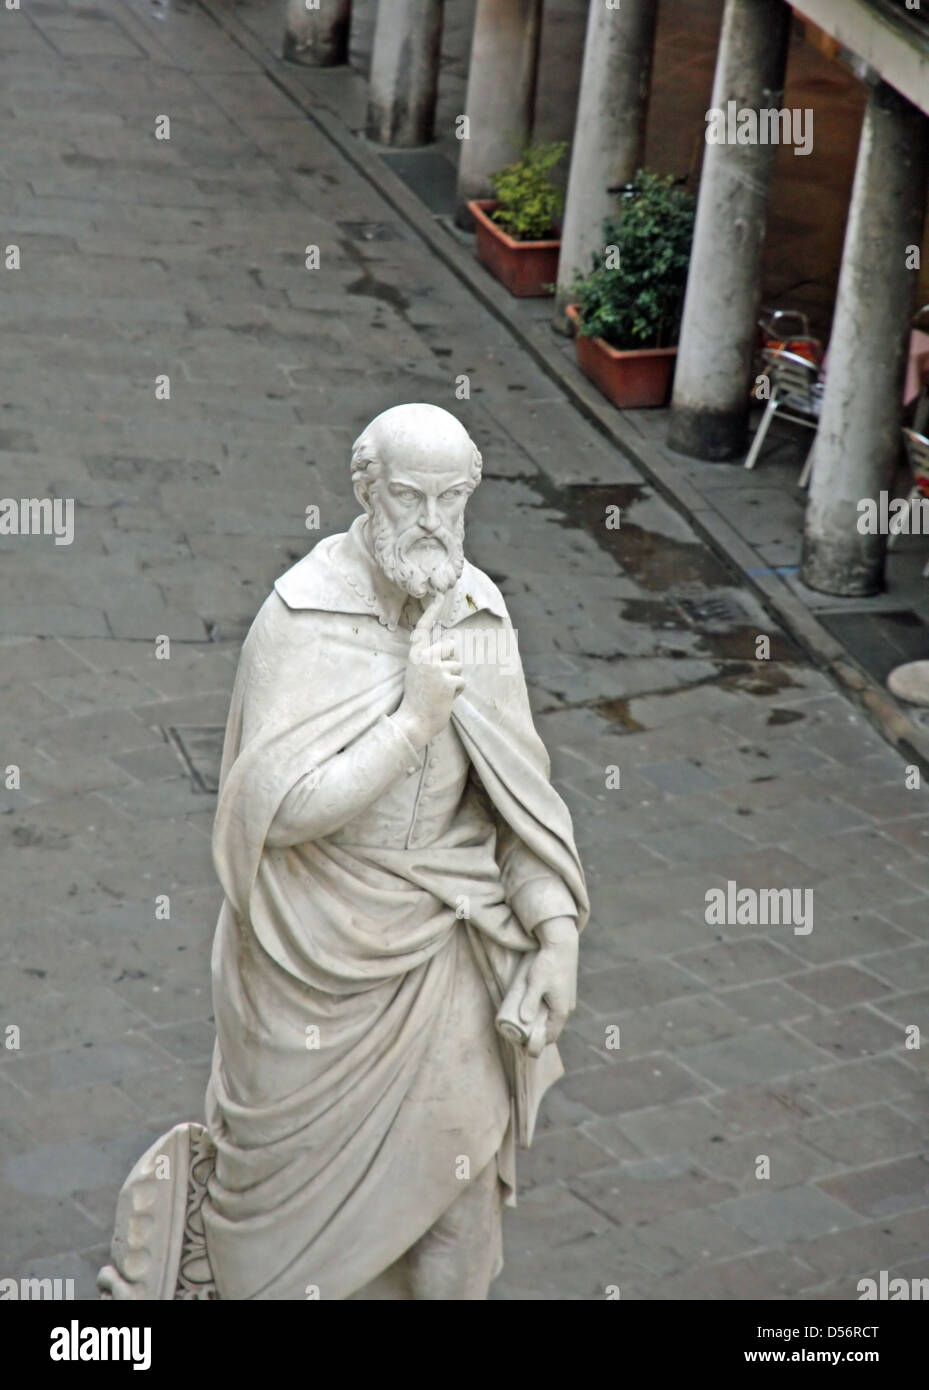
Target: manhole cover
x,y
368,231
711,610
201,747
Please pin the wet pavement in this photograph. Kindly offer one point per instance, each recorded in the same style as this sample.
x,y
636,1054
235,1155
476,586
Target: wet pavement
x,y
736,762
807,210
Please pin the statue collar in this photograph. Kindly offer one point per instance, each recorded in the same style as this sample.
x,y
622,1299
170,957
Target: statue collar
x,y
340,575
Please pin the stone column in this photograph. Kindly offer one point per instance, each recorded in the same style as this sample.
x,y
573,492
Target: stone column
x,y
500,100
858,441
318,37
609,135
710,406
404,72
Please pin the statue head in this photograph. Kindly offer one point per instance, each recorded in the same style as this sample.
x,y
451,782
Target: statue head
x,y
413,469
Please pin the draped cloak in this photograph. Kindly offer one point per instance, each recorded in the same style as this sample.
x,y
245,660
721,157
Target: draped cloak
x,y
334,964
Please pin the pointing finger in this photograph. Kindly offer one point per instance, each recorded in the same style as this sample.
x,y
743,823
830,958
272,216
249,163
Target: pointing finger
x,y
424,626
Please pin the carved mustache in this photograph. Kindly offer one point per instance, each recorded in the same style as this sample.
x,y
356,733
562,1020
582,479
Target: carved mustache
x,y
442,537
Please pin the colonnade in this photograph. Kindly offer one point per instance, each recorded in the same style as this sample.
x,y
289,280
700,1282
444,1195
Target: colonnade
x,y
857,441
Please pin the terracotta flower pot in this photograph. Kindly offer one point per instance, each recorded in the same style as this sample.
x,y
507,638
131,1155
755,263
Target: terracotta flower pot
x,y
524,267
640,377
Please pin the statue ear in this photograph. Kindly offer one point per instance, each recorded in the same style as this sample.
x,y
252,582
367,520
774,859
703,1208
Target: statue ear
x,y
361,490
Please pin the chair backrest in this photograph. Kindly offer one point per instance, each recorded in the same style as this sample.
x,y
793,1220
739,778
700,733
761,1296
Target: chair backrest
x,y
810,348
917,451
794,376
784,323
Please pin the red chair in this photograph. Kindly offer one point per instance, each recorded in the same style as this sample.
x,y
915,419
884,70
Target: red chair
x,y
917,453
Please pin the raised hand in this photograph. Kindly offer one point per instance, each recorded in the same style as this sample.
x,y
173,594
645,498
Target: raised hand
x,y
433,680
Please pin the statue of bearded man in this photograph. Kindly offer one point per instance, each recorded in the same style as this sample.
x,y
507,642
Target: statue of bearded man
x,y
400,880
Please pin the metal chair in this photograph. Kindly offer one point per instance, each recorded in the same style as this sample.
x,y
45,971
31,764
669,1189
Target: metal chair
x,y
788,330
921,414
917,453
796,395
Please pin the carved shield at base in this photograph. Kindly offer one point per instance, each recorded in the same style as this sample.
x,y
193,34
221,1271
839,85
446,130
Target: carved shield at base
x,y
159,1250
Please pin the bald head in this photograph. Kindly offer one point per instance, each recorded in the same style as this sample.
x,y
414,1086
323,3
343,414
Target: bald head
x,y
415,438
413,470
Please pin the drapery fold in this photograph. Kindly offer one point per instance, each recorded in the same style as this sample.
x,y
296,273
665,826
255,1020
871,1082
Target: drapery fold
x,y
356,1059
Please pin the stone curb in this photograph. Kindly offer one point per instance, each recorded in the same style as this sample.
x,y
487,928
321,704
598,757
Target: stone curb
x,y
892,719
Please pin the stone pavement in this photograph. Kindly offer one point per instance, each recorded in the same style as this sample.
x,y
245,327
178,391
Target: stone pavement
x,y
755,518
186,257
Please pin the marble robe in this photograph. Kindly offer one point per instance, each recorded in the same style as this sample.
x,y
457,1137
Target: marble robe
x,y
357,966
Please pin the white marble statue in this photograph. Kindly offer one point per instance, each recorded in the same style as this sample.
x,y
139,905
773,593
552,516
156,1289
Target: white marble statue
x,y
397,949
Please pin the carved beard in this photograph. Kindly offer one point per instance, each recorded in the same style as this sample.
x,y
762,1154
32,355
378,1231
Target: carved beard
x,y
432,575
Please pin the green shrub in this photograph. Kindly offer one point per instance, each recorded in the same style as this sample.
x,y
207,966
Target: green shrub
x,y
638,302
528,203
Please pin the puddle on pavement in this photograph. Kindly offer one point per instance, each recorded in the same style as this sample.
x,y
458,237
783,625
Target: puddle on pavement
x,y
653,612
756,677
689,590
738,644
617,712
784,716
368,285
655,561
371,288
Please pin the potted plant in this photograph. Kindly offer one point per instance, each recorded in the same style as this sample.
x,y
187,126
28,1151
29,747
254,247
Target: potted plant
x,y
517,232
627,311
